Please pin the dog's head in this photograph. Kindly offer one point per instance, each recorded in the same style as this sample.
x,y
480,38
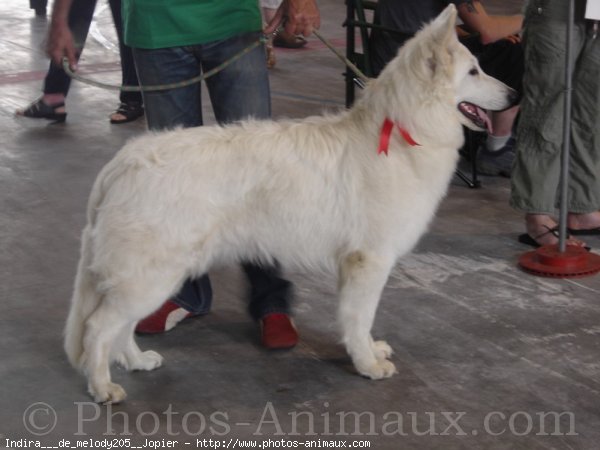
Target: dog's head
x,y
446,71
474,90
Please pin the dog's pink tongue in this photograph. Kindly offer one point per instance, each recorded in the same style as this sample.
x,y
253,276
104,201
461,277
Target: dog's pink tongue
x,y
484,116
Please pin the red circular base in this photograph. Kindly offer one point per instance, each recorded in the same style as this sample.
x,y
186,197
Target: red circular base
x,y
548,261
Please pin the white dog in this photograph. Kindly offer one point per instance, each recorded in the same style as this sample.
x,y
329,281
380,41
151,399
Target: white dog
x,y
308,193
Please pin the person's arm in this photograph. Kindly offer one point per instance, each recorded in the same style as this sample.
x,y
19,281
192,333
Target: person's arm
x,y
60,40
490,28
298,17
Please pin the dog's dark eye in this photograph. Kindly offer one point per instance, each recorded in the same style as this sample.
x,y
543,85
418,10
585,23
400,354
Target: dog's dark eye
x,y
473,71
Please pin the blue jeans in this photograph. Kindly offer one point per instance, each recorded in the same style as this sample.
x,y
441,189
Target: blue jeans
x,y
238,92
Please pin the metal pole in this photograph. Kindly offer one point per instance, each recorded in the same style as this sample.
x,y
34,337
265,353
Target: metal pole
x,y
564,170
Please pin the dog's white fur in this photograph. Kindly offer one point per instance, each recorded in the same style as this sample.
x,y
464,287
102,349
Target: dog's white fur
x,y
309,193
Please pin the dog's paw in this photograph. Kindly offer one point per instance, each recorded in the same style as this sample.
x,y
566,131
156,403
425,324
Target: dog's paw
x,y
148,360
379,370
109,393
382,350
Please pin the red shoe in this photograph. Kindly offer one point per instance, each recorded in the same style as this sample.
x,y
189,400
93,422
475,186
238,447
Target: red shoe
x,y
277,331
163,319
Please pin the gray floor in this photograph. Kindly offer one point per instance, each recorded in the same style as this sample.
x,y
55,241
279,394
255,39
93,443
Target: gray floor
x,y
478,342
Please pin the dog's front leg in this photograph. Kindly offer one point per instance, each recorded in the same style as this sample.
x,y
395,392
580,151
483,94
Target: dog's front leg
x,y
362,278
130,357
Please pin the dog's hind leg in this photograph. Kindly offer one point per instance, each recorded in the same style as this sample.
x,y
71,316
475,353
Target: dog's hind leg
x,y
111,325
102,329
362,278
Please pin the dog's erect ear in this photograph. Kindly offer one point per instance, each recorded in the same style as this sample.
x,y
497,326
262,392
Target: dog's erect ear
x,y
444,25
443,35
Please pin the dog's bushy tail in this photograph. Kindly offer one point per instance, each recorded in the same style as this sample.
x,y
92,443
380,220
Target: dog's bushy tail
x,y
86,296
86,299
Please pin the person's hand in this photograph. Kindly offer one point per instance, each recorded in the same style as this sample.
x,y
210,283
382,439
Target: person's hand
x,y
60,44
513,39
297,16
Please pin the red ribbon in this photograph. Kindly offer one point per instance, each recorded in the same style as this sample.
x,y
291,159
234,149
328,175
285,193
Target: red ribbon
x,y
407,137
385,135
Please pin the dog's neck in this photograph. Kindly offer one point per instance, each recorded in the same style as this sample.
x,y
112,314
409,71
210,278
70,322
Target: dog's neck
x,y
377,123
387,128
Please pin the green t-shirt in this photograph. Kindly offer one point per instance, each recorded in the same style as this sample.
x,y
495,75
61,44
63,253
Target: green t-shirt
x,y
155,24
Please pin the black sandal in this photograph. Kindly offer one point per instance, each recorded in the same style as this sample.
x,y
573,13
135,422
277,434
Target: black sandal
x,y
41,110
526,239
130,112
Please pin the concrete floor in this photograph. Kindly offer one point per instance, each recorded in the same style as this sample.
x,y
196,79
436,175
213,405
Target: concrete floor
x,y
488,356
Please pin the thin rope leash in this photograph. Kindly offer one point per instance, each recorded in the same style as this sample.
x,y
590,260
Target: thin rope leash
x,y
342,57
163,87
203,76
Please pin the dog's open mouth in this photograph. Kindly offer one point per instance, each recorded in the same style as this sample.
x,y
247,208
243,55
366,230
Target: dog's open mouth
x,y
476,115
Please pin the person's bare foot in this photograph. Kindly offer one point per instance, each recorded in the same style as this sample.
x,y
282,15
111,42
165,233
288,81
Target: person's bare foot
x,y
543,229
587,221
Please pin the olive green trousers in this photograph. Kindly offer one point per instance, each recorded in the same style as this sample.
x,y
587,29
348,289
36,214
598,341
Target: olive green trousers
x,y
536,172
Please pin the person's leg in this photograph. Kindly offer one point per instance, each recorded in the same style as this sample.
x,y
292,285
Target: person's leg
x,y
80,18
535,176
502,125
57,82
165,110
539,133
584,185
238,92
269,293
39,6
502,60
173,107
241,90
131,101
